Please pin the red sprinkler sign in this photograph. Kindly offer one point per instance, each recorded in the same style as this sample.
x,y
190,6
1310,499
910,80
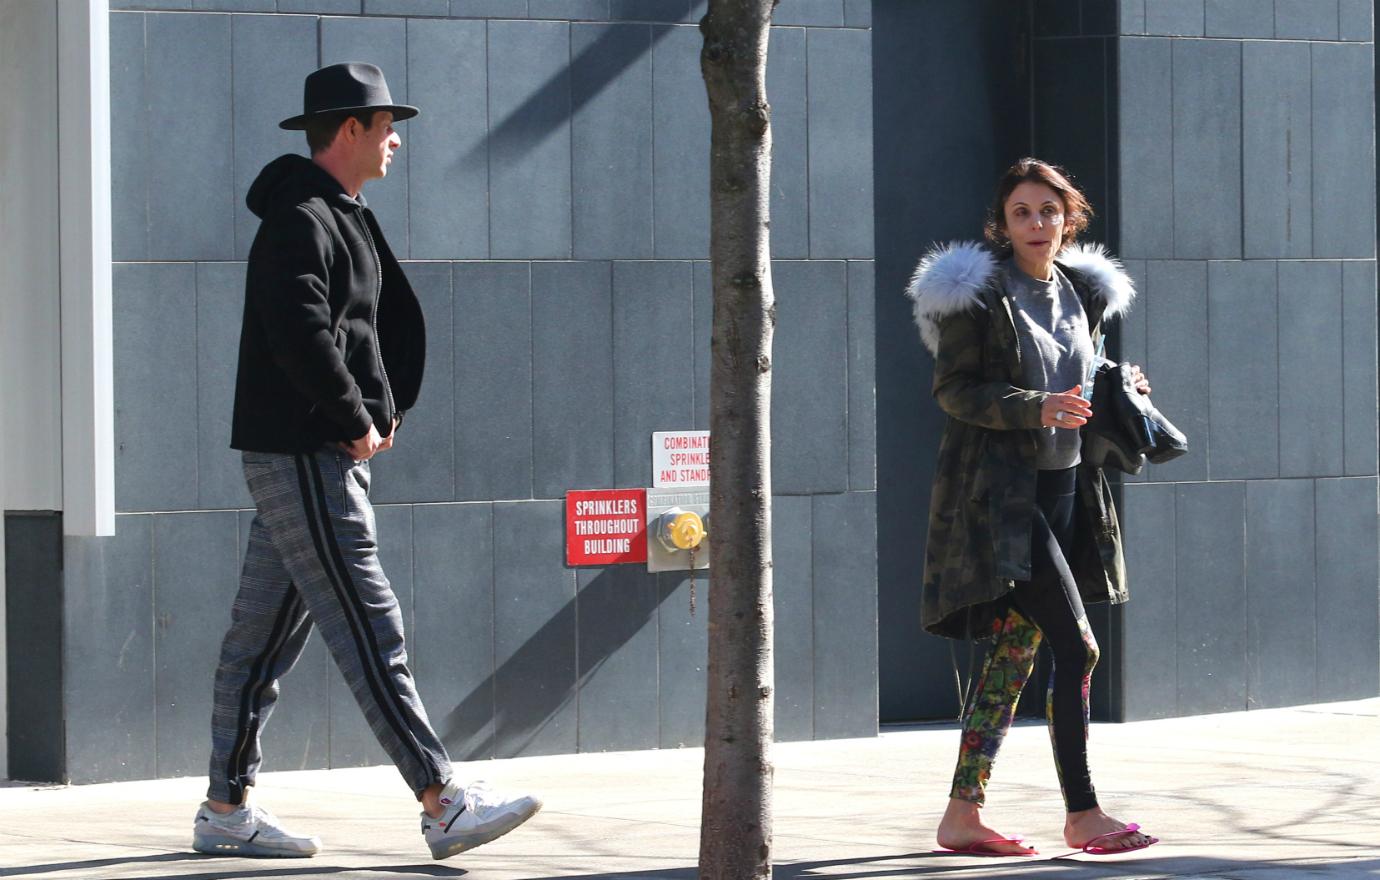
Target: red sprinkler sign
x,y
605,526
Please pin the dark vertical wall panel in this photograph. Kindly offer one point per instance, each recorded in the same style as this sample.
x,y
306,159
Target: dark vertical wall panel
x,y
1149,652
1359,367
1209,566
927,189
1343,163
34,604
616,649
793,644
840,112
1311,427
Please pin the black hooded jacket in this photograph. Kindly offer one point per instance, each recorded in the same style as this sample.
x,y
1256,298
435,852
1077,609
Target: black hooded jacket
x,y
333,338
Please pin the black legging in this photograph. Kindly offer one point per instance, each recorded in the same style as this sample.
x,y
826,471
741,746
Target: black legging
x,y
1048,608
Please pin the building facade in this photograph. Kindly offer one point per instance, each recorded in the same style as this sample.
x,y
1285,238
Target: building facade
x,y
551,208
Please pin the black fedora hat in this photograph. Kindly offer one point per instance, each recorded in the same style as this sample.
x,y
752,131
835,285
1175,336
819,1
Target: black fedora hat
x,y
350,86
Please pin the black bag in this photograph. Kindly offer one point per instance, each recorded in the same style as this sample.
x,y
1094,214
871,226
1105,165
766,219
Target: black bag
x,y
1125,429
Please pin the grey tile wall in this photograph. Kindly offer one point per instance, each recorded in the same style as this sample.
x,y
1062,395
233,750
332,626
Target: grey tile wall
x,y
1355,19
541,376
790,171
108,636
1347,637
1207,149
196,570
1359,367
1147,167
1343,164
1149,524
840,113
1177,18
862,371
129,167
1240,18
810,378
653,383
155,359
1306,20
1177,359
572,392
1311,434
493,380
529,140
534,632
1277,149
271,55
845,657
1132,16
420,467
793,643
1280,594
616,646
187,67
219,311
682,654
1244,379
611,140
447,144
680,146
1209,562
453,642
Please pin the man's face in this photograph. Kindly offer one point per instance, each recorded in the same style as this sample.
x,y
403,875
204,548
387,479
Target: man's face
x,y
374,146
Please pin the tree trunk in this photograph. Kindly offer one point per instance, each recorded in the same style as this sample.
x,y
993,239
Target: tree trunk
x,y
735,826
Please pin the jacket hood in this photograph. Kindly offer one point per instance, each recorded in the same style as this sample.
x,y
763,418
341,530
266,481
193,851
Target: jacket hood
x,y
950,278
292,176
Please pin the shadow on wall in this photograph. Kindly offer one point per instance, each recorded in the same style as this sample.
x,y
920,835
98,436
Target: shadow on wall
x,y
588,74
625,601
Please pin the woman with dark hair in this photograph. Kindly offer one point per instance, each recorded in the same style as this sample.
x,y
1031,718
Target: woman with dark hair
x,y
1020,535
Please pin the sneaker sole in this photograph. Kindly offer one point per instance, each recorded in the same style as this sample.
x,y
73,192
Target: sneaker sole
x,y
224,845
479,838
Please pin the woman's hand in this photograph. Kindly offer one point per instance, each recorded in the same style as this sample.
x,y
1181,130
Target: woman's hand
x,y
1142,383
1066,409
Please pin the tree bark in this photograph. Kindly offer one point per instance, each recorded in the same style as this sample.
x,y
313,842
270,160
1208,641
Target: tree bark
x,y
735,825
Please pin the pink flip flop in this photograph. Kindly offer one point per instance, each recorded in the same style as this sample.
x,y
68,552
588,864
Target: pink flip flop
x,y
983,848
1092,849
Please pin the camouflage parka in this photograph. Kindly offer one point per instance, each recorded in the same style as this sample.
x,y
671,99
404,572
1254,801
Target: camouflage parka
x,y
982,503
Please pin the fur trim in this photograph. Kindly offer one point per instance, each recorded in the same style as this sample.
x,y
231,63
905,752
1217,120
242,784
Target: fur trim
x,y
948,280
1104,272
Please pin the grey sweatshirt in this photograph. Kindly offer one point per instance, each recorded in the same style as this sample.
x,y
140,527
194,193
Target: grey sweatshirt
x,y
1056,351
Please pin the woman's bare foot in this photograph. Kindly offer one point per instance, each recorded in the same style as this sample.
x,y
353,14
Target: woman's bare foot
x,y
962,827
1084,826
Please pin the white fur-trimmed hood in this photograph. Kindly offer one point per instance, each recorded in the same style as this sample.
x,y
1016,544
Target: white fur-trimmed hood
x,y
950,278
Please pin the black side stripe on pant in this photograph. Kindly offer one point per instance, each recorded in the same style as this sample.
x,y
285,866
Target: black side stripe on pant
x,y
251,695
333,564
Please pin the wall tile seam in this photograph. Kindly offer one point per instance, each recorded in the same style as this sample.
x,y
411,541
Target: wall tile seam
x,y
153,634
809,239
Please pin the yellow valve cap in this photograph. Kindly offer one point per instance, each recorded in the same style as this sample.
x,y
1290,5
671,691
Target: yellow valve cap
x,y
687,531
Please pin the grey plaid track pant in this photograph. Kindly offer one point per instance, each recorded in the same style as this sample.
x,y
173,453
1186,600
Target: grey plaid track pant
x,y
313,559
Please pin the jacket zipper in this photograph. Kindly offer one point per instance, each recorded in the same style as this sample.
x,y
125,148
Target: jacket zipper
x,y
374,320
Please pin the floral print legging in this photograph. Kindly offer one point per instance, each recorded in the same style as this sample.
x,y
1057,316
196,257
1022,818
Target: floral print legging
x,y
1045,608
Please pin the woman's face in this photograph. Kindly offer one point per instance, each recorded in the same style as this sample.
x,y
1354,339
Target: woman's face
x,y
1035,221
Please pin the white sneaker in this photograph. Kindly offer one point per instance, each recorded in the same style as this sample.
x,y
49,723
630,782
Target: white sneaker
x,y
474,815
248,831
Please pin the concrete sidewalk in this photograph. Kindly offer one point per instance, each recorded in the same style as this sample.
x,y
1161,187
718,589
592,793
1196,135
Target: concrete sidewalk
x,y
1273,793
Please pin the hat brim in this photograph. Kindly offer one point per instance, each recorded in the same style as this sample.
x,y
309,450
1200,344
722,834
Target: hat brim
x,y
399,111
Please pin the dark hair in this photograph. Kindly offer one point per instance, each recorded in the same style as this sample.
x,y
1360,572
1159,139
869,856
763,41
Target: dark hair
x,y
322,129
1077,210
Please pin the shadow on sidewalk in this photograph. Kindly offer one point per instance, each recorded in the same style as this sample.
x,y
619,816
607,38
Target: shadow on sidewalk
x,y
285,868
916,864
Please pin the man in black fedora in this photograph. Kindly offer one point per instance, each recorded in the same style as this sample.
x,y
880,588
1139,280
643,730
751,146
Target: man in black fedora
x,y
331,355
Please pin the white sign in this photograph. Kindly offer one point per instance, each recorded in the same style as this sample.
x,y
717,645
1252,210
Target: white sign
x,y
680,458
